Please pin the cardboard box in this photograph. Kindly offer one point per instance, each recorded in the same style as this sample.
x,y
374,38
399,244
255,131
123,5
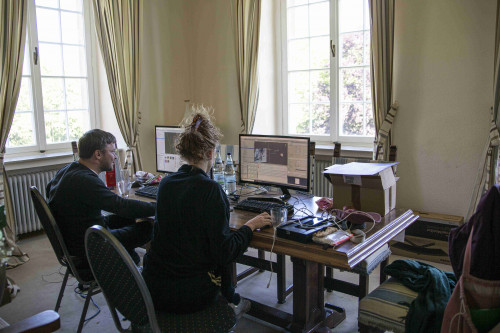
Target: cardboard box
x,y
434,226
370,187
422,249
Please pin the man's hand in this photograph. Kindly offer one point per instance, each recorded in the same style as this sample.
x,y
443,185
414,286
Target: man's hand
x,y
260,221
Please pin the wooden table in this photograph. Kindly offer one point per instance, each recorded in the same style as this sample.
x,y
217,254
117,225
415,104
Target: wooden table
x,y
310,312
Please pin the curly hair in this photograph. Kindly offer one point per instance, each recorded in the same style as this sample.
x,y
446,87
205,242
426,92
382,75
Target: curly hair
x,y
200,135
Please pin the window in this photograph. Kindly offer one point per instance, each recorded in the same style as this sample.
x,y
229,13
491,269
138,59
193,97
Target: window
x,y
326,70
54,105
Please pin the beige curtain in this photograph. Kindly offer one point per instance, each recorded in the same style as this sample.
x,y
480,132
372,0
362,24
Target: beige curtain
x,y
13,20
382,47
246,14
487,174
117,25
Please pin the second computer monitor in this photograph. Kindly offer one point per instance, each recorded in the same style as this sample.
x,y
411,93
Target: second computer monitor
x,y
281,161
167,159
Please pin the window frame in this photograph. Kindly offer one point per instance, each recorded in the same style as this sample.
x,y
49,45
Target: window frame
x,y
362,141
41,146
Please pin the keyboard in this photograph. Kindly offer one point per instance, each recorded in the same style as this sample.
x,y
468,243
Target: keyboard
x,y
147,191
261,206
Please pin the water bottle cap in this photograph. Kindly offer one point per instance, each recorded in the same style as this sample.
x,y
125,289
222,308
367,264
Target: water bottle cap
x,y
229,153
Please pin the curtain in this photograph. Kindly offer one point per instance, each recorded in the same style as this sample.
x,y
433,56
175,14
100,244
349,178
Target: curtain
x,y
247,28
117,24
487,174
13,21
382,47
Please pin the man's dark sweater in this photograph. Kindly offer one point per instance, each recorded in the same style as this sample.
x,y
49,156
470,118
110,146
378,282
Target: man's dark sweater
x,y
191,237
76,197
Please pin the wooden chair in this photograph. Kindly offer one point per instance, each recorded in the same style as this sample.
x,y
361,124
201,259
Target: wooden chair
x,y
125,290
65,259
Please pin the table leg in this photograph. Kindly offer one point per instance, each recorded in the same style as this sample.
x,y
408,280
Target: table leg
x,y
383,276
281,278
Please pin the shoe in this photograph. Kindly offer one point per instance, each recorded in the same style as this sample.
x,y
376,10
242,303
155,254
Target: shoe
x,y
242,307
83,287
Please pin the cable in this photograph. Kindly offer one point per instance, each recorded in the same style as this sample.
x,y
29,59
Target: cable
x,y
270,256
82,294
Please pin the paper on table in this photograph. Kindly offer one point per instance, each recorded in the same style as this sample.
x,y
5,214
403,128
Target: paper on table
x,y
357,168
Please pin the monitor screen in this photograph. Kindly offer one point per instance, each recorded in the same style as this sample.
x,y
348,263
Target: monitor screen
x,y
167,159
281,161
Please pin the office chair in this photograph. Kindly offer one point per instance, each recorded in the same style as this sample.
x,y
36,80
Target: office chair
x,y
125,290
65,259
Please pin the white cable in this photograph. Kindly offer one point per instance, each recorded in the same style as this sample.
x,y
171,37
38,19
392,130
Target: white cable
x,y
270,254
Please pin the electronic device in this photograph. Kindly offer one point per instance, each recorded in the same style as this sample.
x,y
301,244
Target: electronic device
x,y
147,191
167,159
260,205
302,230
281,161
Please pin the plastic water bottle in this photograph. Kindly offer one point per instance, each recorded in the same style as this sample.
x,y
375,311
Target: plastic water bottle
x,y
219,170
230,175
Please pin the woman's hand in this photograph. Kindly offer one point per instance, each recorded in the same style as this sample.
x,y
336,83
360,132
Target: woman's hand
x,y
260,221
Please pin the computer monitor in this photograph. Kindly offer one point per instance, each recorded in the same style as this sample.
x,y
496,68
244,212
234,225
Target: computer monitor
x,y
281,161
167,159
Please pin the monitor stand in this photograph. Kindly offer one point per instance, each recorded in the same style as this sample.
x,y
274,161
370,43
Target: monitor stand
x,y
286,194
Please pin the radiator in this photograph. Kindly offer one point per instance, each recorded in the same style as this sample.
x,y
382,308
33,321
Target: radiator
x,y
20,181
321,186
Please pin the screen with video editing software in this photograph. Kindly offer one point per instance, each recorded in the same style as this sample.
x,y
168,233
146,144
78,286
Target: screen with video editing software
x,y
167,159
281,161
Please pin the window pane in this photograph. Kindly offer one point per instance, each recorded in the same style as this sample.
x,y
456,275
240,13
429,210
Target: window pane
x,y
298,54
320,86
25,100
319,19
350,15
368,85
50,59
22,132
298,22
74,61
320,55
370,125
351,119
298,87
320,119
53,94
76,94
351,80
352,49
367,48
298,118
74,5
72,28
47,3
55,127
79,123
47,22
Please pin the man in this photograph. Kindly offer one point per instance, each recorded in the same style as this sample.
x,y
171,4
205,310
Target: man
x,y
77,196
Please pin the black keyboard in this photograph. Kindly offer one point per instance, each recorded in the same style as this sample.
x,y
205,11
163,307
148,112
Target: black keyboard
x,y
148,191
261,206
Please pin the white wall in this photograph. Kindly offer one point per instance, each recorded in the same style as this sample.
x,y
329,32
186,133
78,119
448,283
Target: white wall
x,y
443,77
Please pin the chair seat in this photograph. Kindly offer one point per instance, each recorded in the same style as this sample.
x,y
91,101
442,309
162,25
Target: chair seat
x,y
386,307
217,318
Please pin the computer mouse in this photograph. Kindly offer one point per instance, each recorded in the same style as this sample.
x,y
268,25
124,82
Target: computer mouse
x,y
136,184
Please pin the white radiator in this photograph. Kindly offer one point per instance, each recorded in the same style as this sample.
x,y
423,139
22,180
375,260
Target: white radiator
x,y
321,186
20,182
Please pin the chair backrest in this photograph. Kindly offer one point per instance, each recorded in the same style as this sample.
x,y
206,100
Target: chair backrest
x,y
53,233
119,278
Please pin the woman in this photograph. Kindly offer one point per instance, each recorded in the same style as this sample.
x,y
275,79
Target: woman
x,y
192,244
